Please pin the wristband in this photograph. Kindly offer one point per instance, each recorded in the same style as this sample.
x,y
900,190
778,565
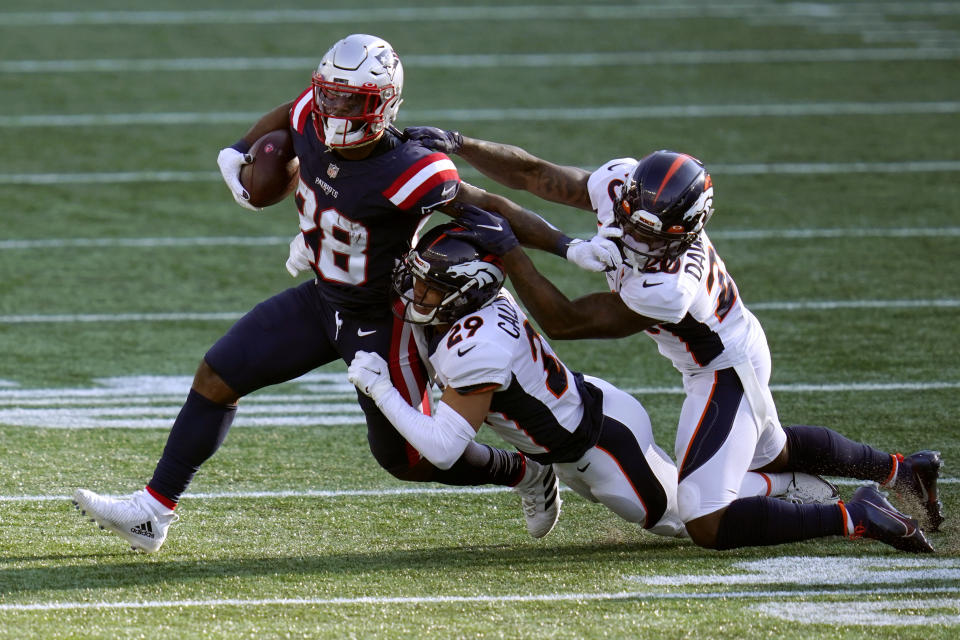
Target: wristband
x,y
563,243
241,145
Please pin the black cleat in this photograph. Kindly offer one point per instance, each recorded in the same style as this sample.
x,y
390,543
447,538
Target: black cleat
x,y
917,479
873,517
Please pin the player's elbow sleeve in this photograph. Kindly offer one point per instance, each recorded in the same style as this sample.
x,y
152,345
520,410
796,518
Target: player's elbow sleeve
x,y
440,438
450,439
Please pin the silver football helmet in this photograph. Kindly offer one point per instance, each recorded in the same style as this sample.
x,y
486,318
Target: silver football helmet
x,y
356,90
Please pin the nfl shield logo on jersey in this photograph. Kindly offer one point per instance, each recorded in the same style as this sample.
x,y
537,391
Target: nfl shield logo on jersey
x,y
333,170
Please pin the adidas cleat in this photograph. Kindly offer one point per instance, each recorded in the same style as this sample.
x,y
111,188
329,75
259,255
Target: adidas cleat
x,y
539,498
138,519
805,488
874,517
917,479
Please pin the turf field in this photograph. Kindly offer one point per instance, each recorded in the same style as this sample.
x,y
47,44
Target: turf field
x,y
831,129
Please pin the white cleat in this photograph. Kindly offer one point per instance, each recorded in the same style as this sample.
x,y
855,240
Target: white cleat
x,y
805,488
139,519
540,498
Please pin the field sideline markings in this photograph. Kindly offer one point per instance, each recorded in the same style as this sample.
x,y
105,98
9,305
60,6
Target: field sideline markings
x,y
358,493
615,112
264,241
496,60
545,597
748,169
223,316
753,10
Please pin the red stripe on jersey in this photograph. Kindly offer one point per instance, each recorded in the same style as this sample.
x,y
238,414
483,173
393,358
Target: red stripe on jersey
x,y
301,110
411,171
396,374
405,361
445,175
394,360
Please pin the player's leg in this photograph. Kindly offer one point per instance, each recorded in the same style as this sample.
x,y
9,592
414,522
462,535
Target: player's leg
x,y
718,441
793,486
626,470
280,339
819,450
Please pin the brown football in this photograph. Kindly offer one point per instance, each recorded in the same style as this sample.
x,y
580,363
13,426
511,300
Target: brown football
x,y
274,171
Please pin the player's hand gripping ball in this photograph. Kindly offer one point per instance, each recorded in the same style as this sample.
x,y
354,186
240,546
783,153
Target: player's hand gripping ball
x,y
273,174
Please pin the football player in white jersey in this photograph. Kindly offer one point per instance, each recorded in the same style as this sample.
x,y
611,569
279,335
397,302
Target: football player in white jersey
x,y
494,368
674,286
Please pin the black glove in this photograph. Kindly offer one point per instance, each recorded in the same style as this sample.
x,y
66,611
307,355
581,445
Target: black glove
x,y
448,142
489,231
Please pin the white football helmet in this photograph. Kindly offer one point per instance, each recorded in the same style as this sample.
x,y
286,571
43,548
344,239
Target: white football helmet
x,y
356,90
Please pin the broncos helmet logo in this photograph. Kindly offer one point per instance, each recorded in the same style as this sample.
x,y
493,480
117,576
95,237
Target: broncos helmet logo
x,y
484,273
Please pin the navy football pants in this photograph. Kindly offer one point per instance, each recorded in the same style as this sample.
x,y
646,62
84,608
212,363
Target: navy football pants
x,y
297,331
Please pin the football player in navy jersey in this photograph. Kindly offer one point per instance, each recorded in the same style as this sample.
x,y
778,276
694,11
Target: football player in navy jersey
x,y
674,286
363,194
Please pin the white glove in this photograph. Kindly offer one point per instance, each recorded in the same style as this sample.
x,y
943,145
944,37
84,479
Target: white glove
x,y
370,374
600,253
300,256
230,161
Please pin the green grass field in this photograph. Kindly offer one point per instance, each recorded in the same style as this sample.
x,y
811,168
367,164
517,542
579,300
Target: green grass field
x,y
831,129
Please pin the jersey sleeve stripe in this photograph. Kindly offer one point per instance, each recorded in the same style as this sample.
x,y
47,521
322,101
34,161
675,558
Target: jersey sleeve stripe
x,y
302,108
419,173
444,177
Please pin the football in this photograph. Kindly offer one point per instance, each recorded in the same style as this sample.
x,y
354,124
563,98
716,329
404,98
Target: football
x,y
274,171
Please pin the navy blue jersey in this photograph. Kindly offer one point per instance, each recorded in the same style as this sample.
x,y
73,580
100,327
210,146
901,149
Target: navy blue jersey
x,y
360,216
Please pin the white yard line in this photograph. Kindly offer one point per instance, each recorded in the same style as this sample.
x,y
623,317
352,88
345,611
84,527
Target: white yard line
x,y
358,493
757,168
621,112
507,598
222,316
495,60
752,10
258,241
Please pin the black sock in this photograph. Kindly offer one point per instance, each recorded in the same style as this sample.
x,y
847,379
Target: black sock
x,y
197,433
504,468
760,521
825,452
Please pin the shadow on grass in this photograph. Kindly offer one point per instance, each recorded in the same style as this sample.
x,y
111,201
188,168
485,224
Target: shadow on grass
x,y
127,570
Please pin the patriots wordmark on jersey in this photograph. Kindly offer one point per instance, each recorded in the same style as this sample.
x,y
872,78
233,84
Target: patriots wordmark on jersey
x,y
703,323
359,216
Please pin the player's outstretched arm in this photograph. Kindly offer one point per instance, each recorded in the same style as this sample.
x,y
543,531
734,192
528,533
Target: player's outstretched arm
x,y
595,315
529,228
511,166
441,438
598,254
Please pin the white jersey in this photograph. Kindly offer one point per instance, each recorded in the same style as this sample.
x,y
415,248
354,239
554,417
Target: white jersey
x,y
539,406
704,326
